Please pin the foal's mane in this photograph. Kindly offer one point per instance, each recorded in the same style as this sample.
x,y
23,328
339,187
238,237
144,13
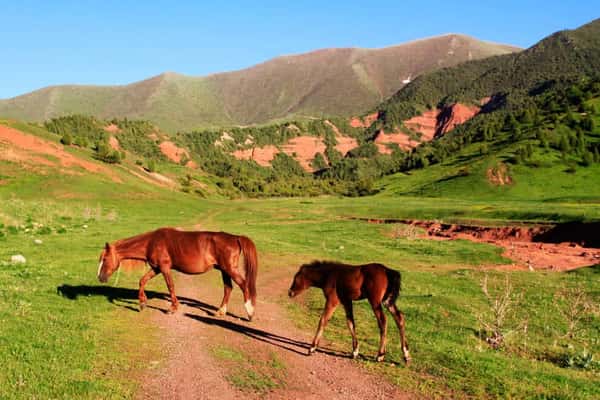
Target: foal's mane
x,y
326,265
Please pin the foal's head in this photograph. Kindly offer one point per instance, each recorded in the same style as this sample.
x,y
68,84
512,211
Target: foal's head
x,y
109,263
302,280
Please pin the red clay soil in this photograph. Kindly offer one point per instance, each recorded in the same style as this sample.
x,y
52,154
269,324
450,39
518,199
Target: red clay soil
x,y
437,122
31,149
262,155
303,149
454,115
173,152
365,122
191,370
344,143
400,139
542,247
112,128
191,164
498,175
426,124
113,142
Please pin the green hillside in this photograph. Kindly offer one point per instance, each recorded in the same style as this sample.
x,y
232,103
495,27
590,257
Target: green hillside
x,y
324,82
509,80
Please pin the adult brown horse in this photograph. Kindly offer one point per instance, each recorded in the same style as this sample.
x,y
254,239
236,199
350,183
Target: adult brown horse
x,y
343,283
191,253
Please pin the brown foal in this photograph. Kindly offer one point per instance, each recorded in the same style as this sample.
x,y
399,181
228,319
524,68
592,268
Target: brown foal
x,y
344,284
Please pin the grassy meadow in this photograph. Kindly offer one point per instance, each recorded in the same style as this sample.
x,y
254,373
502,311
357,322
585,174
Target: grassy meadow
x,y
64,335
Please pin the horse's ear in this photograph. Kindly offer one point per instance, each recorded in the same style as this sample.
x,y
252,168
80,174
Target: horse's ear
x,y
107,246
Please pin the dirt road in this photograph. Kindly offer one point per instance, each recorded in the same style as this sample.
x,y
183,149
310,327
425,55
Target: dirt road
x,y
193,370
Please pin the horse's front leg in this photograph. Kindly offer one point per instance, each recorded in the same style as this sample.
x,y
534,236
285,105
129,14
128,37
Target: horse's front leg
x,y
166,271
350,322
142,294
330,306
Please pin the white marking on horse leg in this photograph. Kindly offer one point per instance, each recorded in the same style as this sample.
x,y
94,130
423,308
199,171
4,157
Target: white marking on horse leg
x,y
406,355
249,308
99,268
355,352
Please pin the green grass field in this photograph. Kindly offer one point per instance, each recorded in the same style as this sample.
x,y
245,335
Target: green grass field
x,y
58,341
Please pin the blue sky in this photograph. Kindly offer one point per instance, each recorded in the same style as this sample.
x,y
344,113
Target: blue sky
x,y
116,42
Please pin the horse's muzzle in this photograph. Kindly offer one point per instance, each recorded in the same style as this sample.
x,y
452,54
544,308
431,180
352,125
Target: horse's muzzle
x,y
291,293
103,278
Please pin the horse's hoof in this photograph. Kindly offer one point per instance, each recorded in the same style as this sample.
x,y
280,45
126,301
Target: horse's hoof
x,y
220,313
311,350
355,355
380,357
171,310
142,306
407,361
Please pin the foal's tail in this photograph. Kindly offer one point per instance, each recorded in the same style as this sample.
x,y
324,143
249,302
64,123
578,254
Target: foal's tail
x,y
393,287
250,264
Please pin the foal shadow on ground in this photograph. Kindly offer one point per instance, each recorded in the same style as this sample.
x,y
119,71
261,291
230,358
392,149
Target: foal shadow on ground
x,y
294,346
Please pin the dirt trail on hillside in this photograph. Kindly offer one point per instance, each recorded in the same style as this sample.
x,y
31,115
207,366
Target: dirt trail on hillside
x,y
191,370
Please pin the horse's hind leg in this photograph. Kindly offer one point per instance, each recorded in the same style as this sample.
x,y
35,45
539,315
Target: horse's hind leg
x,y
330,306
241,282
399,318
227,288
351,326
381,321
142,294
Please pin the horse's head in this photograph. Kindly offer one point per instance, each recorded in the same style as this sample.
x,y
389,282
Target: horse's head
x,y
109,263
300,282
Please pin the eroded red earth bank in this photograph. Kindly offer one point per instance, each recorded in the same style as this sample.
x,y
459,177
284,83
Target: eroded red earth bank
x,y
545,247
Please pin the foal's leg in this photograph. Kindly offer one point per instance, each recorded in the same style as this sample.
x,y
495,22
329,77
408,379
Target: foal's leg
x,y
141,294
381,321
399,318
330,306
166,271
350,323
227,288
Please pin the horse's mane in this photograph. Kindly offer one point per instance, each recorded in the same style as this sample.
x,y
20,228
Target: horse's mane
x,y
127,243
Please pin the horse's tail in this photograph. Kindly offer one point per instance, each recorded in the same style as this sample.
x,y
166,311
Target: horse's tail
x,y
393,287
250,264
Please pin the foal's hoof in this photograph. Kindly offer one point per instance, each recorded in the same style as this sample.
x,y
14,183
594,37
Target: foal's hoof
x,y
380,357
142,306
311,350
355,355
172,310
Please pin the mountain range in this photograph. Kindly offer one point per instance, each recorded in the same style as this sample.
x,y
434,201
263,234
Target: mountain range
x,y
328,82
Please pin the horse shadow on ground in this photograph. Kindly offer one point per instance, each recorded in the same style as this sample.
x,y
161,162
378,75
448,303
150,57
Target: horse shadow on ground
x,y
128,298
